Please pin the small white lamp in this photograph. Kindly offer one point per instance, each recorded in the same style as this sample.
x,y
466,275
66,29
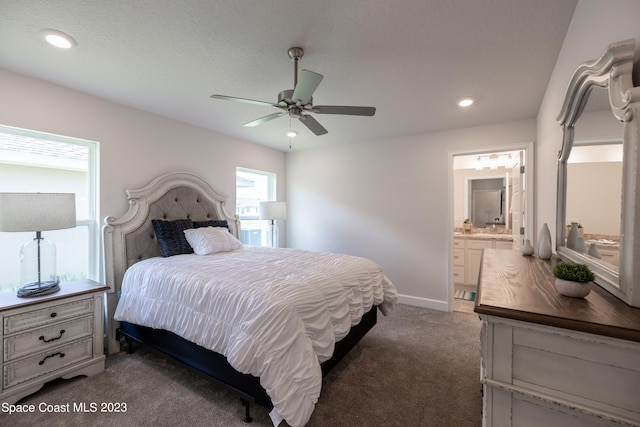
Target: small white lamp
x,y
37,212
273,211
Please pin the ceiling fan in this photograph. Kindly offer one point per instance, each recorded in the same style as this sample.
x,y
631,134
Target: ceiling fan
x,y
298,102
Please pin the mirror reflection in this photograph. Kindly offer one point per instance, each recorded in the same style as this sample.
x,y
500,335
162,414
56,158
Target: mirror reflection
x,y
487,202
594,195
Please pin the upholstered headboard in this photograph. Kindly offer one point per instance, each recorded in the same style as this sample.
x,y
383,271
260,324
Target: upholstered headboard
x,y
131,238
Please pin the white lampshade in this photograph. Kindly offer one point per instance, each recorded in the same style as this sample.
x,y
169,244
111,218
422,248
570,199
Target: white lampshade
x,y
37,211
273,210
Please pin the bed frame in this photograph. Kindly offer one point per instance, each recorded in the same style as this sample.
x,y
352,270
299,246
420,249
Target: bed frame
x,y
130,238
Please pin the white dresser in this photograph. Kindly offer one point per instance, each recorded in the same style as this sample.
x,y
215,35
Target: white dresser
x,y
53,336
549,360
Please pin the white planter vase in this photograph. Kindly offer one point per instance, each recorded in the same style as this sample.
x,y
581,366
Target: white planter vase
x,y
572,238
572,289
544,242
527,249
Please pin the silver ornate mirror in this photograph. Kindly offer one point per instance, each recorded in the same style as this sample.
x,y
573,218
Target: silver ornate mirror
x,y
597,177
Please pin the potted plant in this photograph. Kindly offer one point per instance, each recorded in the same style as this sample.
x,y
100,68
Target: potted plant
x,y
467,226
572,280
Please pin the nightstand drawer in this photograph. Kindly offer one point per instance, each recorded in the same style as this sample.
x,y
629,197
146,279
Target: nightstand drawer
x,y
46,362
46,316
39,340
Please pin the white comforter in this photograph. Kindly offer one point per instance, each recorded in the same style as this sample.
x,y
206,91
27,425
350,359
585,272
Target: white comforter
x,y
274,313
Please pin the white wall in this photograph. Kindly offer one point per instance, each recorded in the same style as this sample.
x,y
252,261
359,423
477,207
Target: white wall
x,y
135,146
388,200
594,26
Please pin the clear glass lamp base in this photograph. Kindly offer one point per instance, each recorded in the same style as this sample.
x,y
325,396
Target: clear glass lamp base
x,y
36,289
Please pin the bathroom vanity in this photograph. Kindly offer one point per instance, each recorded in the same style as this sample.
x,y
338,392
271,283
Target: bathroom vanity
x,y
467,254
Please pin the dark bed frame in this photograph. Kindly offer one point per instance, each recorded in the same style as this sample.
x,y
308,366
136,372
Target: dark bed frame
x,y
130,238
216,366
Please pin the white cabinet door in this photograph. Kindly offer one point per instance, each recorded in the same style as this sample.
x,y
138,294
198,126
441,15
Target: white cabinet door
x,y
473,259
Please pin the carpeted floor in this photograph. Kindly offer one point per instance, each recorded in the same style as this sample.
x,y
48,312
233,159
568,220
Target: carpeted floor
x,y
417,367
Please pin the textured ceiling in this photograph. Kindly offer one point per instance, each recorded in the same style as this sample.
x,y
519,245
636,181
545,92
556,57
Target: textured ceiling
x,y
412,59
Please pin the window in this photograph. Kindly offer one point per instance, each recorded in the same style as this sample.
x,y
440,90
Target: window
x,y
38,162
253,187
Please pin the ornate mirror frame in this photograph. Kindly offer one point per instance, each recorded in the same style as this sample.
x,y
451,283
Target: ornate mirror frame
x,y
612,71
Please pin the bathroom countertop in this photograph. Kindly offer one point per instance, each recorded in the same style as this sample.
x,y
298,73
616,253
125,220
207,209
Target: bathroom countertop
x,y
484,236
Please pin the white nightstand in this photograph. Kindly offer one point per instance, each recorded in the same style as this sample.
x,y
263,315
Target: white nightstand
x,y
52,336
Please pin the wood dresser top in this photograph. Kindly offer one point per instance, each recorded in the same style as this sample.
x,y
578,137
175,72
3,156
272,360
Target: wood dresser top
x,y
9,300
523,288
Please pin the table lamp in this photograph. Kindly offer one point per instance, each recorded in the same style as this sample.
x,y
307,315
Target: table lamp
x,y
273,211
37,212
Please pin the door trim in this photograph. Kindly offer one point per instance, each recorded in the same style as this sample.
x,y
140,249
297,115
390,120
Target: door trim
x,y
529,157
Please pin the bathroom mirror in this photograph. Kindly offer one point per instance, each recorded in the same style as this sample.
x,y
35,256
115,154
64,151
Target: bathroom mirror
x,y
487,202
604,83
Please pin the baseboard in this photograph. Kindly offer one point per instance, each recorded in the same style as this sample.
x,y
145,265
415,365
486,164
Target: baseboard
x,y
424,302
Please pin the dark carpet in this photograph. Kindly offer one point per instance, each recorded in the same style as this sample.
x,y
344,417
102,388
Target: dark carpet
x,y
417,367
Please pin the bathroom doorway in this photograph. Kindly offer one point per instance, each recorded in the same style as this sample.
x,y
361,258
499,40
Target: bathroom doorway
x,y
490,194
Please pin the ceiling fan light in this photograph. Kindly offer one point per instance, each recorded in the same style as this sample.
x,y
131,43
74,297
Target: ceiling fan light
x,y
59,39
466,102
292,134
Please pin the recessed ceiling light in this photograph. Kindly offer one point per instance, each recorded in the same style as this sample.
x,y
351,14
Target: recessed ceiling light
x,y
59,39
466,102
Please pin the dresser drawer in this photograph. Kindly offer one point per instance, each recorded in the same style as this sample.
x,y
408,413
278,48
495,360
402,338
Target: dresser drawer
x,y
578,368
46,362
46,316
42,339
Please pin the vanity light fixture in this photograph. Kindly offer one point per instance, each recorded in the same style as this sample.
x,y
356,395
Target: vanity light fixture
x,y
479,165
494,161
511,163
466,102
59,39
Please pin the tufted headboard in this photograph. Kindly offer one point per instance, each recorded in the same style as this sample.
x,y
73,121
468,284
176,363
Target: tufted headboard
x,y
130,238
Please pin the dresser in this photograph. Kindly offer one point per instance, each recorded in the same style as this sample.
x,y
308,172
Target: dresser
x,y
550,360
52,336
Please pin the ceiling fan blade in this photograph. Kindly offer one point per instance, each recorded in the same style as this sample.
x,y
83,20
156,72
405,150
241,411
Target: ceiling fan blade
x,y
344,109
308,82
313,125
264,119
245,100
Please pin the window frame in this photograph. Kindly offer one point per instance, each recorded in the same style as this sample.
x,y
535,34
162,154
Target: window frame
x,y
270,196
94,268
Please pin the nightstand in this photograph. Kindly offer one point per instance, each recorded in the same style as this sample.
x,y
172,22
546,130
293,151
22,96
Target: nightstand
x,y
60,335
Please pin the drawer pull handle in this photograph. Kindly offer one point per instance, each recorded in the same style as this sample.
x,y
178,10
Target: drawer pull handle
x,y
42,338
51,355
54,314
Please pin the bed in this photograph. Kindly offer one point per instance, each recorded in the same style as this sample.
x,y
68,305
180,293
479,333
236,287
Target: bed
x,y
267,323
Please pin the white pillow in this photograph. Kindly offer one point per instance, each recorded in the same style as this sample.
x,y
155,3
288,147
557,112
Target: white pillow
x,y
209,240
